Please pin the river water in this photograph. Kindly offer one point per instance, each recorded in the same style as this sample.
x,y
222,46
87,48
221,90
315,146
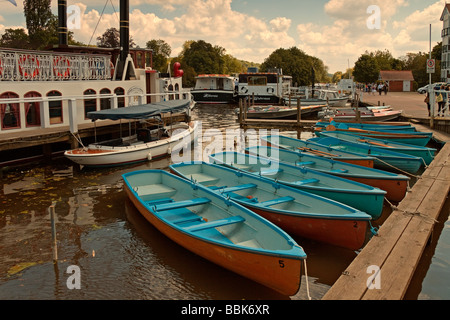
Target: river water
x,y
120,256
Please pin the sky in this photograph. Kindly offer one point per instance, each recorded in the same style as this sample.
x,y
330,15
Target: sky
x,y
336,31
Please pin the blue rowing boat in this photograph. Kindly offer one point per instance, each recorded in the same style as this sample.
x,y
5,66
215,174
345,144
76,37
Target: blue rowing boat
x,y
415,138
297,212
384,159
395,185
427,154
310,147
357,195
366,126
217,229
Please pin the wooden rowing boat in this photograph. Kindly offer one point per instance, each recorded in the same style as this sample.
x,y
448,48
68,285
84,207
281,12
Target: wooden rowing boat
x,y
297,212
366,126
415,138
394,184
309,147
427,154
384,159
217,229
357,195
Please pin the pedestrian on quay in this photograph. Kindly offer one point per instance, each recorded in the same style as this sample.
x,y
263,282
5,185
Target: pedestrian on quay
x,y
427,101
386,88
441,102
380,88
439,99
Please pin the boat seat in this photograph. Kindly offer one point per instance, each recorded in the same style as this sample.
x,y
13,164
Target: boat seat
x,y
238,188
339,170
273,202
159,201
204,178
271,171
181,204
154,191
215,224
187,219
306,181
305,163
241,166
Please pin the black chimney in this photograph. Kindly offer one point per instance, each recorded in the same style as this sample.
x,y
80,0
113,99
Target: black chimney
x,y
124,29
62,23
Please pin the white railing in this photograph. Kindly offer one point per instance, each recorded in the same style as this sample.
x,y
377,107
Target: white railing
x,y
72,108
18,65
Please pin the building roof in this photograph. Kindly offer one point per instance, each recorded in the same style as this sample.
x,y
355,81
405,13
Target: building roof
x,y
396,75
446,9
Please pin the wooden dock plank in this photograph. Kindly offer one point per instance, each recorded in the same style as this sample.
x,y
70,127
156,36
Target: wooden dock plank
x,y
397,248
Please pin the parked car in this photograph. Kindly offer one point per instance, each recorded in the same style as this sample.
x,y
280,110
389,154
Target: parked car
x,y
436,86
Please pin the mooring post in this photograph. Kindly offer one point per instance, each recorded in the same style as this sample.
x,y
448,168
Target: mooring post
x,y
54,243
299,118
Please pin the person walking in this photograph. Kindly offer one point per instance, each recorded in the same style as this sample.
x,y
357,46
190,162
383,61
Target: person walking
x,y
386,88
427,101
380,88
441,102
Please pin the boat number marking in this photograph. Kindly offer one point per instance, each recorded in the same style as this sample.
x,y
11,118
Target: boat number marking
x,y
281,262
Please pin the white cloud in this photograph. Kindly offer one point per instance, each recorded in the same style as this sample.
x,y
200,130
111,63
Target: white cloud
x,y
341,43
214,21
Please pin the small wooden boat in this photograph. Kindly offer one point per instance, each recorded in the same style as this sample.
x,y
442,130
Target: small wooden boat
x,y
394,184
146,144
415,138
217,229
298,145
427,154
297,212
280,112
365,114
365,126
384,159
354,194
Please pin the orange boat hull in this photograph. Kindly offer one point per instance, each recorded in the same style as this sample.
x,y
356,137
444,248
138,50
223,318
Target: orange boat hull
x,y
350,234
396,189
282,275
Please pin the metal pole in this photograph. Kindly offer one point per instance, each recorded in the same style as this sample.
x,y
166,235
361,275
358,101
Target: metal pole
x,y
431,93
54,242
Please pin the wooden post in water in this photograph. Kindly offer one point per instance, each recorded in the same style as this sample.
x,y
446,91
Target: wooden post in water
x,y
240,112
299,117
54,243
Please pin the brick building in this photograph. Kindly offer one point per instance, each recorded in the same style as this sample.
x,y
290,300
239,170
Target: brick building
x,y
398,81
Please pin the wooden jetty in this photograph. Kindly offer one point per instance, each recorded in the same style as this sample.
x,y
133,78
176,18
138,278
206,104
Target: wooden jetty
x,y
385,266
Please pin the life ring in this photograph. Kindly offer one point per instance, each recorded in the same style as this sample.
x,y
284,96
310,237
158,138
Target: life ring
x,y
270,90
244,90
111,65
24,72
57,69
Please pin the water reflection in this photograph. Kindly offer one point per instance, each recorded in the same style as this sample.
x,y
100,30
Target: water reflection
x,y
121,256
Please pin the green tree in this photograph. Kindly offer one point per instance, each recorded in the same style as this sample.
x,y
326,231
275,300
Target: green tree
x,y
366,69
38,18
15,38
111,39
297,64
337,76
161,54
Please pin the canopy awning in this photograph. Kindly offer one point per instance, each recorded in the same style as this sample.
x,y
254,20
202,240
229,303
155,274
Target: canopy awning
x,y
141,111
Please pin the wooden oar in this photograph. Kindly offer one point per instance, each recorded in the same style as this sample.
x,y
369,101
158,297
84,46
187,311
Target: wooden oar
x,y
318,152
375,143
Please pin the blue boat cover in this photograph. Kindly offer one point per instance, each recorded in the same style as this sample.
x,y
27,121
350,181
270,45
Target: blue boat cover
x,y
141,111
